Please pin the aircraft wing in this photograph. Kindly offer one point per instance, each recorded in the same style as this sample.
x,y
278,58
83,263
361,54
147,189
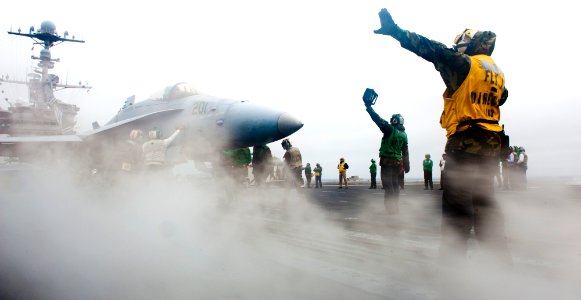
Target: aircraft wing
x,y
130,123
6,139
40,139
33,146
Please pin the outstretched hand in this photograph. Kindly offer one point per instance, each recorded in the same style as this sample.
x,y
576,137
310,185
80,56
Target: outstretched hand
x,y
387,24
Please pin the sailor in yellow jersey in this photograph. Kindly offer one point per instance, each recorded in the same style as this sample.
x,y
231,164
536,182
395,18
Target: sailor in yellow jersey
x,y
342,167
475,90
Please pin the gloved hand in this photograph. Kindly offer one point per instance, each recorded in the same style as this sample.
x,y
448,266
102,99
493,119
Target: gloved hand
x,y
388,26
406,166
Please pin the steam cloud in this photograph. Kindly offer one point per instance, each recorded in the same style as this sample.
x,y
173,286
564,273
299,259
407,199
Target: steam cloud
x,y
177,238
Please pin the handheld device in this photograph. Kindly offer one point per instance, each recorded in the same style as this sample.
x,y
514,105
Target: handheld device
x,y
369,97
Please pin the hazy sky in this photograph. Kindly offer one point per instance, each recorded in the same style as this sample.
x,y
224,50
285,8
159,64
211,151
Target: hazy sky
x,y
315,59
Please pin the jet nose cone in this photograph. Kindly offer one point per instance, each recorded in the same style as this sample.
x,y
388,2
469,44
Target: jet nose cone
x,y
248,124
288,124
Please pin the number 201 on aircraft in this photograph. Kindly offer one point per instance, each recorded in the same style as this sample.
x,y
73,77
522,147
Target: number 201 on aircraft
x,y
199,108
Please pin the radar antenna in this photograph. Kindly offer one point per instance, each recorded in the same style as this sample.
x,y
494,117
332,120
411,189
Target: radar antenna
x,y
41,87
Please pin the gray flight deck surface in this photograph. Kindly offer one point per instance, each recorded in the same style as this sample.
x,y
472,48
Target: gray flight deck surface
x,y
178,240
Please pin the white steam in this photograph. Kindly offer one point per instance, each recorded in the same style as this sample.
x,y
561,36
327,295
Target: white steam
x,y
168,238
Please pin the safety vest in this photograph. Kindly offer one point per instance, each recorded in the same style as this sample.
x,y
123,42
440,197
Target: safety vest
x,y
154,152
476,99
341,167
318,171
294,158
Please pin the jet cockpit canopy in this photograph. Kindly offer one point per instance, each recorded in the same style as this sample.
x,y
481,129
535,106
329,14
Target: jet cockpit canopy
x,y
176,91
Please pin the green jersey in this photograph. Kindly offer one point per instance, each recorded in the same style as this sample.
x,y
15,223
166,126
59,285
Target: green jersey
x,y
373,168
318,171
394,143
428,164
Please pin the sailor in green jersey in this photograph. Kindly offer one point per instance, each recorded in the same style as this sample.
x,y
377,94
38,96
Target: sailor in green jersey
x,y
392,154
373,173
236,162
318,170
428,164
308,174
261,164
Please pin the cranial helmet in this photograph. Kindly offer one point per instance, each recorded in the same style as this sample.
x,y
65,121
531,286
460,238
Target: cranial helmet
x,y
463,39
135,134
154,134
286,144
372,160
428,156
396,119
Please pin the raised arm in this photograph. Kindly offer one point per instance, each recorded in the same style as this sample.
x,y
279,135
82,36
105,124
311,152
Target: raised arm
x,y
452,65
172,137
383,125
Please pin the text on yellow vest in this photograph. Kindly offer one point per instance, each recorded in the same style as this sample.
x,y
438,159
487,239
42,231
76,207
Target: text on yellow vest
x,y
476,98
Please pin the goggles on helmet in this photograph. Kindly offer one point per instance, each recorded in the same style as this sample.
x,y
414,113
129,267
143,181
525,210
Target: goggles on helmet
x,y
464,38
396,119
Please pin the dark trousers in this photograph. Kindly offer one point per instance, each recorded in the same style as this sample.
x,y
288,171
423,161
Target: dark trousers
x,y
318,182
373,181
401,178
259,174
390,182
468,203
308,181
428,180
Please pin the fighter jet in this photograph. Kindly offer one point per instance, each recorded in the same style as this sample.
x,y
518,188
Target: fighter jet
x,y
209,125
44,129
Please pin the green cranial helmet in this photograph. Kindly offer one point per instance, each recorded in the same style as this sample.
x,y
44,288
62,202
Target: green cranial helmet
x,y
428,156
372,160
396,119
